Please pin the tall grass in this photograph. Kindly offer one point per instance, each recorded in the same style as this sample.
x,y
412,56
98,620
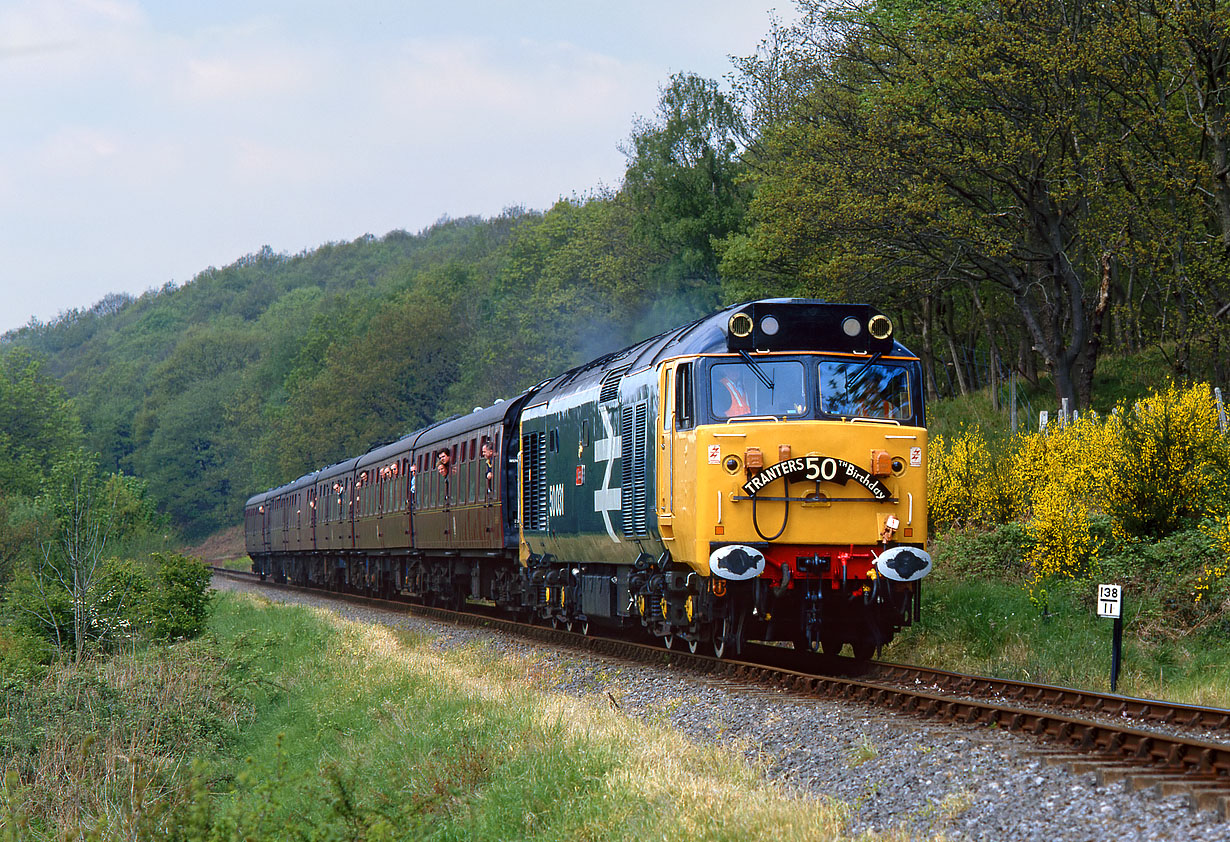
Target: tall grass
x,y
107,744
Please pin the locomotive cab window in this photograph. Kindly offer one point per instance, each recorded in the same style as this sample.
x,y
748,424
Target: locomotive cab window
x,y
865,389
685,401
771,387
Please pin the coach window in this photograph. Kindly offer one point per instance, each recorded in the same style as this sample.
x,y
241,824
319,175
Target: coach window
x,y
472,472
493,486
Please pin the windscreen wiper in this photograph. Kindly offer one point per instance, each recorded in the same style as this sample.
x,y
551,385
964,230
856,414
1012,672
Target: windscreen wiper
x,y
759,372
852,379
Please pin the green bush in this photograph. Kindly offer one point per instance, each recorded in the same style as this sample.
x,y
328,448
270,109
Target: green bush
x,y
118,603
179,602
41,613
23,658
1162,576
998,553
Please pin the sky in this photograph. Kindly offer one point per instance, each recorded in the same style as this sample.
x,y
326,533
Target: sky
x,y
143,142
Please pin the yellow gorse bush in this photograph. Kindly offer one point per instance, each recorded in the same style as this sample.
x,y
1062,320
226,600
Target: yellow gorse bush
x,y
1150,469
1219,533
964,482
1173,463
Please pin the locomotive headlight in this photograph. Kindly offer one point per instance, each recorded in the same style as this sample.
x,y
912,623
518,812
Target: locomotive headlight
x,y
769,326
740,325
851,326
880,326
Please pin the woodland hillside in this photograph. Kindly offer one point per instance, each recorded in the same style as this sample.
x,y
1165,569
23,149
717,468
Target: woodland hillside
x,y
1023,186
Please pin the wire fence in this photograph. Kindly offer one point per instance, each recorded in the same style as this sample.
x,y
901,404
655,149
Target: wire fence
x,y
986,370
1065,417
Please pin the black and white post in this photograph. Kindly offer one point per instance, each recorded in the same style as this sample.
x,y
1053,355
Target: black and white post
x,y
1110,604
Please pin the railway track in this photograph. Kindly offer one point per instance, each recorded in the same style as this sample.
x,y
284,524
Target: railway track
x,y
1146,744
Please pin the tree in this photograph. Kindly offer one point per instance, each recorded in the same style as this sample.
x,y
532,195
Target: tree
x,y
942,148
684,178
37,424
82,507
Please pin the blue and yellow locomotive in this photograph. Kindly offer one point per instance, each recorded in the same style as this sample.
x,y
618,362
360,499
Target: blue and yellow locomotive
x,y
757,474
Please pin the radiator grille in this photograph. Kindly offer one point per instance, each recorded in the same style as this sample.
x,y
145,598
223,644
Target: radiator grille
x,y
633,453
534,480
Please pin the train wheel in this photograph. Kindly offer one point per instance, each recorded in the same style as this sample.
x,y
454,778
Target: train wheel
x,y
693,645
669,641
863,649
831,646
803,643
728,639
585,628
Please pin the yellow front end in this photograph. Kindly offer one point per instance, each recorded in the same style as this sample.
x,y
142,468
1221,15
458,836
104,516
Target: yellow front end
x,y
706,500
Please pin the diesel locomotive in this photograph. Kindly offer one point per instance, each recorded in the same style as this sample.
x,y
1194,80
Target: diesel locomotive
x,y
757,474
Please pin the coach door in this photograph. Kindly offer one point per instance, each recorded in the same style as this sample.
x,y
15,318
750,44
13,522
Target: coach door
x,y
266,516
311,495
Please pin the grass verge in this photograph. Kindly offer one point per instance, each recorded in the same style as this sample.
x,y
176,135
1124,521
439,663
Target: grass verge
x,y
321,729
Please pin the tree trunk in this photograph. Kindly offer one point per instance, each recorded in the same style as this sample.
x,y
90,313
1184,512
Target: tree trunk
x,y
1093,345
1027,363
992,350
927,329
1044,328
957,366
